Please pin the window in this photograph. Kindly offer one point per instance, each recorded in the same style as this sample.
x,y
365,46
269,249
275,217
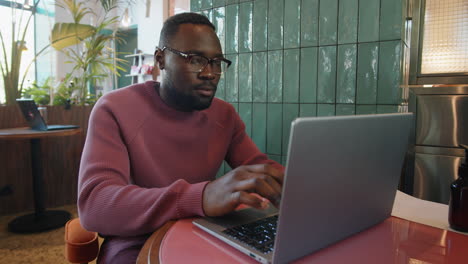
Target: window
x,y
445,37
10,12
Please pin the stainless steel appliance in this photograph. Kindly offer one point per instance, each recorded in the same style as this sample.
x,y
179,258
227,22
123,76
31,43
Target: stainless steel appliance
x,y
441,126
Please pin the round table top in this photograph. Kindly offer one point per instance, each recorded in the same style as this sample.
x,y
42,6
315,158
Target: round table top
x,y
393,239
28,133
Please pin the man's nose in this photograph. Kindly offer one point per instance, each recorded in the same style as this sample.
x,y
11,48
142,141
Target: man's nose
x,y
207,72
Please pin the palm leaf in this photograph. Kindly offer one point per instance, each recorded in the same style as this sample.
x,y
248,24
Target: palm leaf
x,y
69,34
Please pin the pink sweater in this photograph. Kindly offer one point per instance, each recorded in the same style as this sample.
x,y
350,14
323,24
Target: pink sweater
x,y
145,163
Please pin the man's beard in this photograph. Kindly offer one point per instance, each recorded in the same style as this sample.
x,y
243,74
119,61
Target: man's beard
x,y
188,102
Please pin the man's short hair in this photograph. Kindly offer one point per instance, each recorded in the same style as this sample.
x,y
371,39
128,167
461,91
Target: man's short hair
x,y
171,25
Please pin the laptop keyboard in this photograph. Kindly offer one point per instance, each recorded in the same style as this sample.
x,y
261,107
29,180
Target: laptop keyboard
x,y
259,234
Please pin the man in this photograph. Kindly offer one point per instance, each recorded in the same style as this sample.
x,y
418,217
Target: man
x,y
153,149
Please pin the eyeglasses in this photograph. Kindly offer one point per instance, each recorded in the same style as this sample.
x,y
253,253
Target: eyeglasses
x,y
196,62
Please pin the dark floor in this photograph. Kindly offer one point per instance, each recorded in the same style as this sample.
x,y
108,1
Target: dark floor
x,y
46,247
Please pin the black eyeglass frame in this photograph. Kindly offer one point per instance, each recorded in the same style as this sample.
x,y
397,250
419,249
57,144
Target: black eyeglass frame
x,y
188,56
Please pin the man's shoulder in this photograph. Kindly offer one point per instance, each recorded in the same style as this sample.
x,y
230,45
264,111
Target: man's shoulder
x,y
135,96
127,94
129,107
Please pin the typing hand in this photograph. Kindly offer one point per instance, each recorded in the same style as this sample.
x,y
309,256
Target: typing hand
x,y
238,187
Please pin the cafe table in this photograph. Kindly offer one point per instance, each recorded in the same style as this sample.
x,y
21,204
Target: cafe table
x,y
41,219
417,232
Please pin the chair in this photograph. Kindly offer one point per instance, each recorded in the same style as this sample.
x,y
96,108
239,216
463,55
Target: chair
x,y
81,245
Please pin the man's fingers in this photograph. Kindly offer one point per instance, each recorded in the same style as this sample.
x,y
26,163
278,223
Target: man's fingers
x,y
263,185
255,201
274,184
268,170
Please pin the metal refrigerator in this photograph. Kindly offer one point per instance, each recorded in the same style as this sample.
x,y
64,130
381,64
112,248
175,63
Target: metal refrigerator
x,y
441,125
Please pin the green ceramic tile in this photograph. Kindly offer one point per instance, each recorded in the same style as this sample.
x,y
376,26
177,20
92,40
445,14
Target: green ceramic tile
x,y
259,77
220,172
387,109
291,76
259,125
307,110
346,74
275,24
232,28
308,75
228,2
348,21
326,83
325,109
245,77
292,24
205,4
219,22
275,76
290,112
245,112
284,160
227,168
309,23
208,14
366,109
276,158
219,3
232,80
345,109
260,25
389,91
369,13
195,5
245,26
221,91
328,22
245,1
274,128
368,60
391,19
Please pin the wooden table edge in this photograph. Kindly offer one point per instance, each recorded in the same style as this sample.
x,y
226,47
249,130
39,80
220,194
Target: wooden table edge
x,y
150,251
28,133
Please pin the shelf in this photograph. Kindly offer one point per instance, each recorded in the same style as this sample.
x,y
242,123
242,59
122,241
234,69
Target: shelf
x,y
142,63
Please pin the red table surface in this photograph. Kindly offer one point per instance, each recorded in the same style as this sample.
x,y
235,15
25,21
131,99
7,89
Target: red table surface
x,y
393,241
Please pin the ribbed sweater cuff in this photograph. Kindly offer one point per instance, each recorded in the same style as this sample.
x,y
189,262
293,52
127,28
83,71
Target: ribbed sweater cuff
x,y
190,202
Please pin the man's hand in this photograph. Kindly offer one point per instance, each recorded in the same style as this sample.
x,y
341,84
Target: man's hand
x,y
237,187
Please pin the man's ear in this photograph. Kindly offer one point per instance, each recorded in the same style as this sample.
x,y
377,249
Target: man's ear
x,y
159,58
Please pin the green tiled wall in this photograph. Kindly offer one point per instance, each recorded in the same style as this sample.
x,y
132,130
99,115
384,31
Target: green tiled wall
x,y
295,58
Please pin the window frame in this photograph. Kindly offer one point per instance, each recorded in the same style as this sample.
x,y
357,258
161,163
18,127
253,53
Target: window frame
x,y
417,35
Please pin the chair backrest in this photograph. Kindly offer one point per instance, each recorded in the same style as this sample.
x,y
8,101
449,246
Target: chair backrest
x,y
81,245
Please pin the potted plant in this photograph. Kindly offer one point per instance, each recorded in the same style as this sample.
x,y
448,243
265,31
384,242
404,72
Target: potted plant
x,y
93,59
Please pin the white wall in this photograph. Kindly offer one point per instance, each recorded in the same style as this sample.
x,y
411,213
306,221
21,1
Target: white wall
x,y
149,27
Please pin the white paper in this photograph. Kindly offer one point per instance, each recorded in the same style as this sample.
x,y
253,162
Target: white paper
x,y
421,211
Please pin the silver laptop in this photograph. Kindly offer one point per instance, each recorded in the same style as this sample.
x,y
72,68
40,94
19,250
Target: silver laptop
x,y
341,178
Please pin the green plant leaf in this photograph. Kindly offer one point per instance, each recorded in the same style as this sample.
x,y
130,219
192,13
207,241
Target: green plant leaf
x,y
69,34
